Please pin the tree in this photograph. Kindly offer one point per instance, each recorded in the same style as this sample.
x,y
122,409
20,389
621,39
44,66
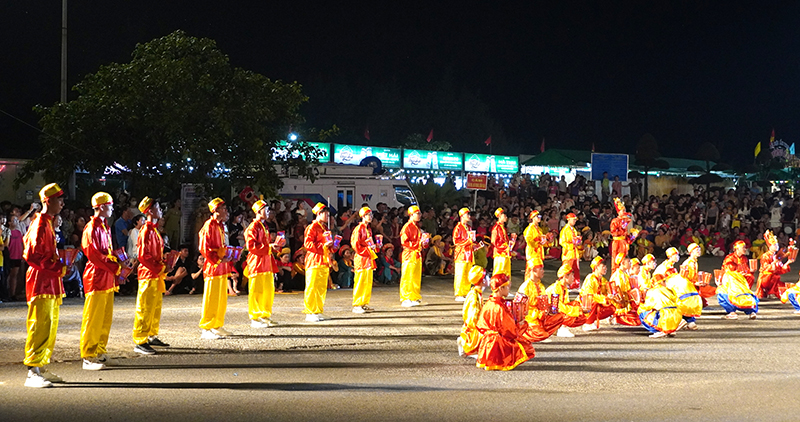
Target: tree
x,y
177,112
648,156
418,141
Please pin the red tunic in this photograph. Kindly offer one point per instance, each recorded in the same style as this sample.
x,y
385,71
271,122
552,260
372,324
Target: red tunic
x,y
259,259
411,241
317,255
620,243
739,264
101,270
43,278
213,248
360,241
150,247
500,240
463,242
769,279
501,347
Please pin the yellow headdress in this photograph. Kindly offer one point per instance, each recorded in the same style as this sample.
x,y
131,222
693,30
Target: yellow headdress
x,y
101,198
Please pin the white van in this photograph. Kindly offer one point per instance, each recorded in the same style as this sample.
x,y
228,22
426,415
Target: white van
x,y
348,186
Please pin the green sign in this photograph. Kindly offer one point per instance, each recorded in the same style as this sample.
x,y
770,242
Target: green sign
x,y
505,164
325,147
419,159
450,160
490,163
477,163
390,157
353,154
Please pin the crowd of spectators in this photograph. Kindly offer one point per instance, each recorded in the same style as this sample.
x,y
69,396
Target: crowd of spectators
x,y
712,218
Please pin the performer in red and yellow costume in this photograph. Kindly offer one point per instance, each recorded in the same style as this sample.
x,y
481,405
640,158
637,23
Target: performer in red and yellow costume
x,y
734,294
659,313
464,242
689,271
99,283
317,242
216,271
470,337
43,287
594,295
667,267
571,309
151,273
645,273
259,268
625,309
769,279
569,239
364,261
621,232
501,348
535,240
502,252
411,239
541,324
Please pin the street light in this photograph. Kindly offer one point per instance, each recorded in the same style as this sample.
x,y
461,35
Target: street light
x,y
292,136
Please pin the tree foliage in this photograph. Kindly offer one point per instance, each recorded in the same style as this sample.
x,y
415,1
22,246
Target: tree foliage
x,y
418,141
649,157
177,112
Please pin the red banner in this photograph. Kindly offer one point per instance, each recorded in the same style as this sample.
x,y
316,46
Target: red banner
x,y
477,181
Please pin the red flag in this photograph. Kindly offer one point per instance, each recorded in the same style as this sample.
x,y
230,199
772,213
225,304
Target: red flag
x,y
488,141
430,136
772,138
366,133
541,148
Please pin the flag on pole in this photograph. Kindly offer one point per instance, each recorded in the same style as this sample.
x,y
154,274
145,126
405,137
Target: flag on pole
x,y
758,149
772,137
592,146
430,136
488,141
366,133
541,148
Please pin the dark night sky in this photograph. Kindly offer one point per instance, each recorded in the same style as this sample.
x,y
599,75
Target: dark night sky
x,y
575,73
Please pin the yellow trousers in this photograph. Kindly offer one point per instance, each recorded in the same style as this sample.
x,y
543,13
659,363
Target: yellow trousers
x,y
316,289
362,287
98,310
147,317
42,324
461,283
215,302
502,265
260,295
411,280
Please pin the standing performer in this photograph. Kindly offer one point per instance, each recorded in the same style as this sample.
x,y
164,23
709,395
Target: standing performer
x,y
364,262
569,239
43,288
317,242
464,259
734,294
659,312
502,252
470,338
769,279
216,271
99,284
621,232
667,267
501,347
625,312
571,309
411,274
593,296
150,250
259,269
535,240
689,271
541,324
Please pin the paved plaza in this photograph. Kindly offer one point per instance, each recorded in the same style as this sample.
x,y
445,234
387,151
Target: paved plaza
x,y
401,364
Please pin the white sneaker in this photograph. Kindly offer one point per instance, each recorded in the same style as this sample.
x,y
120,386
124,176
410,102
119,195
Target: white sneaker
x,y
209,335
547,340
36,380
415,303
408,304
681,325
796,312
313,318
53,378
269,322
221,332
92,364
358,310
258,324
752,316
563,331
659,334
460,298
589,327
692,326
731,315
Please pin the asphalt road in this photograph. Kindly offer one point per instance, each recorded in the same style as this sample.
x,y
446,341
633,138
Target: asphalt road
x,y
401,364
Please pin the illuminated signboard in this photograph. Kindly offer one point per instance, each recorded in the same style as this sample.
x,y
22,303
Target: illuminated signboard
x,y
325,147
477,162
490,163
505,164
450,160
432,160
353,154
